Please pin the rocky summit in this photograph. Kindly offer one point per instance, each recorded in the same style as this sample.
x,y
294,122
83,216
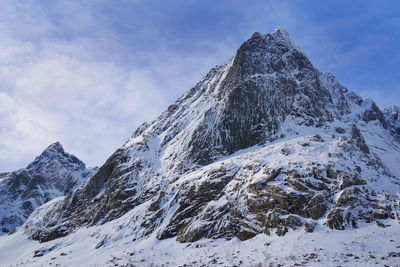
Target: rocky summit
x,y
52,174
263,144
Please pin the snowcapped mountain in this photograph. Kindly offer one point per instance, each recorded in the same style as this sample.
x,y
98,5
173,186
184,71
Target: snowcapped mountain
x,y
52,174
263,145
265,142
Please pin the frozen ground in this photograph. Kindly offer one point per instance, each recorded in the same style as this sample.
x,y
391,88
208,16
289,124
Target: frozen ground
x,y
370,245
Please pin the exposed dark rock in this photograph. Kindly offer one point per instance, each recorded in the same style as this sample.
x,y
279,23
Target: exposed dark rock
x,y
359,139
309,227
380,224
394,254
340,130
373,113
317,206
101,242
350,180
336,219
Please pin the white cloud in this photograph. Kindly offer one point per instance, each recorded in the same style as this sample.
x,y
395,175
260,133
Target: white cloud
x,y
85,104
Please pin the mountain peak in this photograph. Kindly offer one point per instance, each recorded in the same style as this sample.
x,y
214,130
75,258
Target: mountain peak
x,y
55,152
56,147
281,30
281,34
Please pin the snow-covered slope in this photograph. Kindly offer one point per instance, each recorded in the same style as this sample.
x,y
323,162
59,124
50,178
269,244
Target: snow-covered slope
x,y
263,145
109,245
53,174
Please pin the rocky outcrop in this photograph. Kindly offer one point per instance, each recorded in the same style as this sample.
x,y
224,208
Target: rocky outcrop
x,y
392,116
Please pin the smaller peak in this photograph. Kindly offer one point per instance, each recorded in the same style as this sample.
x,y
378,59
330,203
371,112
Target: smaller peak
x,y
55,153
53,150
392,108
55,147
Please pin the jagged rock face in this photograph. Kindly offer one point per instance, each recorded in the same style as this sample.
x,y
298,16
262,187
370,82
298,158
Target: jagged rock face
x,y
308,157
53,174
392,115
270,79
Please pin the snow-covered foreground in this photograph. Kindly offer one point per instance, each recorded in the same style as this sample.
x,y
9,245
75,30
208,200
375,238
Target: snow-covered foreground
x,y
370,245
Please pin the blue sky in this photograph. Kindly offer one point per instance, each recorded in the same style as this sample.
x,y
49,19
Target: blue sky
x,y
87,73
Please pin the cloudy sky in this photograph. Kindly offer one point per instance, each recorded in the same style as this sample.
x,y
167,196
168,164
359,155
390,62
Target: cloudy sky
x,y
87,73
